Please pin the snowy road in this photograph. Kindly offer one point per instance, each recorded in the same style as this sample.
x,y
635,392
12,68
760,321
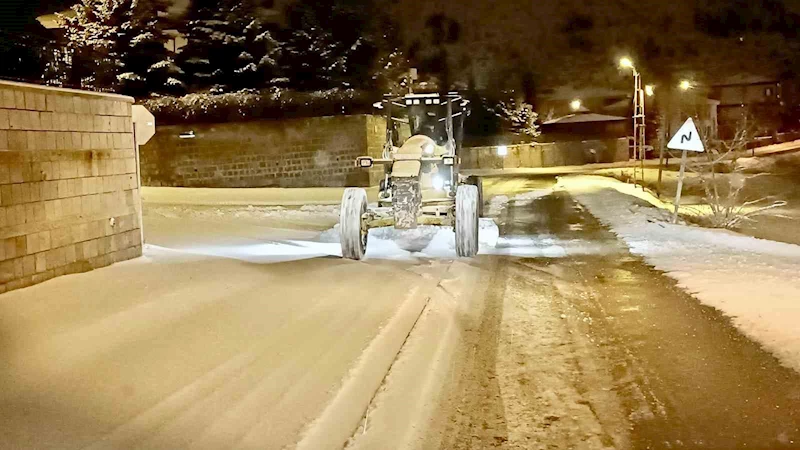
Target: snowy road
x,y
598,350
207,342
242,329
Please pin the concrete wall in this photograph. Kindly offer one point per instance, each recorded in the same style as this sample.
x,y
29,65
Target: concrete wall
x,y
281,153
69,200
567,153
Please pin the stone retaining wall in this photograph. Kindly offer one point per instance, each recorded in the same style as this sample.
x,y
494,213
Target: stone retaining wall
x,y
69,199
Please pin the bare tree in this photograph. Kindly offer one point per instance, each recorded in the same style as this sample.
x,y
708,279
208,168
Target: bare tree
x,y
724,181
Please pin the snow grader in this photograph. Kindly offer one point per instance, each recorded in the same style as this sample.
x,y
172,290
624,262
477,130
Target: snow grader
x,y
421,182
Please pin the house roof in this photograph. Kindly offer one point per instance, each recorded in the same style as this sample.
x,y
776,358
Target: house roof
x,y
51,21
745,79
570,93
584,118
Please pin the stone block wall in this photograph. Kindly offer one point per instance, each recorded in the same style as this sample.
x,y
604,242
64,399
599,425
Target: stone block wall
x,y
309,152
69,197
554,154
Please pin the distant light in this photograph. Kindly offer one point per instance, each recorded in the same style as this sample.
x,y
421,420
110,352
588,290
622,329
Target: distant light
x,y
575,105
626,63
685,85
649,90
502,151
187,135
438,183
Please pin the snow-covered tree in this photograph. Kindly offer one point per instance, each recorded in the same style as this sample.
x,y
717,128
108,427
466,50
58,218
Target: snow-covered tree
x,y
91,35
519,118
258,62
391,64
337,43
115,44
230,47
144,56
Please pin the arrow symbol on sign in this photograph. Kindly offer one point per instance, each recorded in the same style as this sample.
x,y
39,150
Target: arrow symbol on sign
x,y
687,138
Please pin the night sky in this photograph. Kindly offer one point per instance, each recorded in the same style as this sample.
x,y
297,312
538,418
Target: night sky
x,y
572,35
17,15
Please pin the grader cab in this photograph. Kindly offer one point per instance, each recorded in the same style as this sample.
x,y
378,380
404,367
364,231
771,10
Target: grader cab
x,y
421,183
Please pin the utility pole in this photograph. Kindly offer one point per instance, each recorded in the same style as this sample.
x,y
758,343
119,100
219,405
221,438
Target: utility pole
x,y
639,126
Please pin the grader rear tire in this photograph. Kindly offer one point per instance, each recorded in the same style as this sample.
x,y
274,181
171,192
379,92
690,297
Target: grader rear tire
x,y
467,221
478,182
352,235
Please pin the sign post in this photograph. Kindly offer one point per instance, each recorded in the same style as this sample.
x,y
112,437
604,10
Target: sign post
x,y
687,139
144,128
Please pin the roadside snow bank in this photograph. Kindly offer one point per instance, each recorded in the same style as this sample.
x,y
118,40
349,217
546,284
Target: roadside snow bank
x,y
305,212
751,280
247,196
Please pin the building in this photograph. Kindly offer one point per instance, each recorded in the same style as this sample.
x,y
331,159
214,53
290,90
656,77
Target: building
x,y
269,10
584,126
754,98
555,103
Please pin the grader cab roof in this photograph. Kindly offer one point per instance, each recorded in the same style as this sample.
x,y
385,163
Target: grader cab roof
x,y
428,113
408,100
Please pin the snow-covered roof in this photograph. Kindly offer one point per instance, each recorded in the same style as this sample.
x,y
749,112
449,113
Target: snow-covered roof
x,y
622,103
583,118
745,78
570,93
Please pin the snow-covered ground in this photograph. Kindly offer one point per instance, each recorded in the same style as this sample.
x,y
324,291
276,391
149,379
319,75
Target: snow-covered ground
x,y
175,350
276,234
753,281
228,333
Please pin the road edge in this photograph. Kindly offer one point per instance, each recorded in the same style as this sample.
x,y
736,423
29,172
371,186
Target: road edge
x,y
334,427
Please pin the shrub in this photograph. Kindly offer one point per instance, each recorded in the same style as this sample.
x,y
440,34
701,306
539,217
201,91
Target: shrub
x,y
519,118
724,182
251,104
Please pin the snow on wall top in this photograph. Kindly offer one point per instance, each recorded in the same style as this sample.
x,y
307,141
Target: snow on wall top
x,y
53,89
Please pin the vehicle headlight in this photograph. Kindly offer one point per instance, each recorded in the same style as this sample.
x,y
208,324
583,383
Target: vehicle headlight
x,y
428,149
438,183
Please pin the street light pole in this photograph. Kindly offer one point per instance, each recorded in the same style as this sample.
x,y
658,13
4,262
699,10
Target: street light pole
x,y
639,126
639,122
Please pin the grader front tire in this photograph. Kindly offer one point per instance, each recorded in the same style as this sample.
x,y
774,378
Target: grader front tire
x,y
467,220
353,235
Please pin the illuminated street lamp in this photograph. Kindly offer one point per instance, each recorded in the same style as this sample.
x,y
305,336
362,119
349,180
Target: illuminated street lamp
x,y
575,105
649,90
685,85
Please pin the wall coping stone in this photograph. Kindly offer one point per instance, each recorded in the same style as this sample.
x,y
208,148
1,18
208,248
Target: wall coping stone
x,y
55,89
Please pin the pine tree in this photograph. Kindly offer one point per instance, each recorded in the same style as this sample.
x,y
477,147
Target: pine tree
x,y
258,62
334,43
91,37
214,44
146,65
119,45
